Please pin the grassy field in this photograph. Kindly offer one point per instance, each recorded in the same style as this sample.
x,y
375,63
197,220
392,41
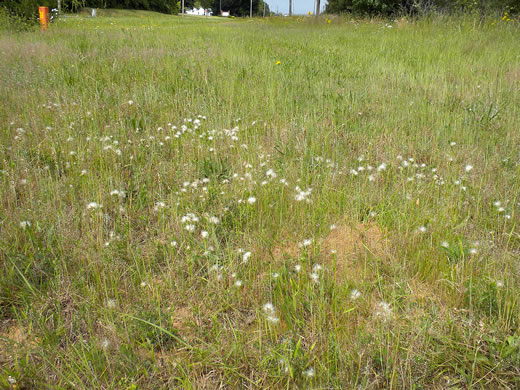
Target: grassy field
x,y
278,203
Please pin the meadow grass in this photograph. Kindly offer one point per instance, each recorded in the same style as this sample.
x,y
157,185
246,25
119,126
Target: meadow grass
x,y
273,203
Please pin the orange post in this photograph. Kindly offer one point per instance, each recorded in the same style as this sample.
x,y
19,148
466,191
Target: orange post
x,y
44,17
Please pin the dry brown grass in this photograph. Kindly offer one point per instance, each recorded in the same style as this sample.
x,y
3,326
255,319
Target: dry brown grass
x,y
513,75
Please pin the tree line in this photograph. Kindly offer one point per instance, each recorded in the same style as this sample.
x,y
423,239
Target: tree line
x,y
28,8
420,7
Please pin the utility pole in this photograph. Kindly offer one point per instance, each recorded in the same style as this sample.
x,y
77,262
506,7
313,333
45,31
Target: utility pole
x,y
317,8
59,6
290,7
182,8
220,6
264,9
251,9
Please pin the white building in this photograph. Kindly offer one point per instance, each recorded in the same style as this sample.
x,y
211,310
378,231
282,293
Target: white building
x,y
199,11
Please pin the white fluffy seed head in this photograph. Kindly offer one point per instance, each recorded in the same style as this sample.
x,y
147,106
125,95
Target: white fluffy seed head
x,y
246,256
355,294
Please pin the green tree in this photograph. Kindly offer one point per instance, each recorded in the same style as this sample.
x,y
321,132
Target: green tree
x,y
236,7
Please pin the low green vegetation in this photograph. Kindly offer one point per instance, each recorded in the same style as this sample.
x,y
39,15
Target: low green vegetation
x,y
271,203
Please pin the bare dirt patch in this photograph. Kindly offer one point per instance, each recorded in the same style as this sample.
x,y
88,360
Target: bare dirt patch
x,y
356,240
181,318
290,250
14,339
349,244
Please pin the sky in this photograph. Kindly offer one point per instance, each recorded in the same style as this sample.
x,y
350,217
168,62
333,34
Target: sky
x,y
299,6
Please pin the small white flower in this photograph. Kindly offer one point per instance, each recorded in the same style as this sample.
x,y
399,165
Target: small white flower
x,y
383,310
190,217
269,308
251,200
143,284
246,256
93,205
190,228
468,168
355,294
422,229
271,173
25,224
297,267
204,234
453,143
270,311
445,244
332,227
285,365
497,203
315,277
473,251
276,275
305,243
130,102
111,303
238,283
119,193
173,243
500,284
105,343
159,205
309,373
381,167
213,220
11,380
302,195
